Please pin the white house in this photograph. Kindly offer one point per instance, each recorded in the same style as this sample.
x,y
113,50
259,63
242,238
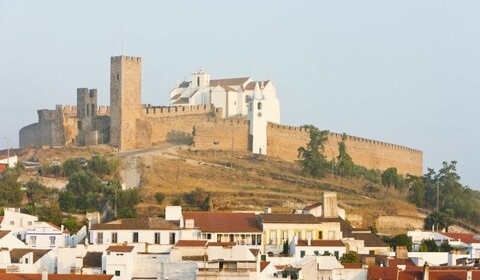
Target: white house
x,y
8,162
32,260
10,241
118,261
44,235
136,230
17,222
241,228
302,248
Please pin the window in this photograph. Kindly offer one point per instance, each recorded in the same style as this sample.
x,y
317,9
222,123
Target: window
x,y
100,238
157,237
219,238
117,272
337,255
302,254
309,235
320,235
33,240
284,235
93,109
259,106
26,260
246,98
79,125
172,237
316,253
88,109
198,81
114,237
135,237
259,239
52,240
118,77
273,237
12,223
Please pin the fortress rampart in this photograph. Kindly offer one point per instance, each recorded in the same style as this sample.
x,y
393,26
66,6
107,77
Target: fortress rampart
x,y
222,134
283,142
149,111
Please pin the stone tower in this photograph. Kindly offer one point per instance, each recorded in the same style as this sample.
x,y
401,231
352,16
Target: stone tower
x,y
125,100
86,112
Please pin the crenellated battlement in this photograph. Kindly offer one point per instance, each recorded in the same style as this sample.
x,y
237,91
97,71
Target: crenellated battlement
x,y
339,136
127,58
169,111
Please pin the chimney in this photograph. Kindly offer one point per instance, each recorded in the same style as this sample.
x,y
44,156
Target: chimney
x,y
44,273
426,271
469,274
329,205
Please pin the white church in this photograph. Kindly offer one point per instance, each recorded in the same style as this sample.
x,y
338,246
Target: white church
x,y
257,100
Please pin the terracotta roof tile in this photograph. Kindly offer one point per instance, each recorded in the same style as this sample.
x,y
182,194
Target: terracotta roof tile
x,y
176,96
396,262
183,100
463,237
321,243
92,259
17,254
263,265
352,265
370,239
120,249
289,219
4,233
384,273
224,222
191,243
25,276
137,223
251,85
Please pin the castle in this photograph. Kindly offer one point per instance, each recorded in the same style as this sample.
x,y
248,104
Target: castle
x,y
230,114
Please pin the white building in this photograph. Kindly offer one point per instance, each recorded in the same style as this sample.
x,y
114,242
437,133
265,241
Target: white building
x,y
44,235
18,223
256,100
137,230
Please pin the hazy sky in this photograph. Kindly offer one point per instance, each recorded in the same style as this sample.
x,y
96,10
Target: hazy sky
x,y
405,72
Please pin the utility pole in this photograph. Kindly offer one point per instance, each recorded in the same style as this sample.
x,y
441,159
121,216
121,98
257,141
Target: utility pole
x,y
438,194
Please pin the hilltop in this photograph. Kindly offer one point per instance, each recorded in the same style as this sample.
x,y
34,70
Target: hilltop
x,y
242,181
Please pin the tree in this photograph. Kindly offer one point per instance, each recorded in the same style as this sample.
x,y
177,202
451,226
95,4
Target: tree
x,y
390,178
428,245
350,257
311,159
71,166
402,240
416,190
438,220
100,166
159,197
126,202
345,163
10,191
51,214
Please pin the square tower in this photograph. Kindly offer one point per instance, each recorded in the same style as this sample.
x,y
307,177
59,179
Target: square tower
x,y
125,100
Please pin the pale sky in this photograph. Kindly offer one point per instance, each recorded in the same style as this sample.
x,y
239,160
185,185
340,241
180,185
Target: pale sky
x,y
405,72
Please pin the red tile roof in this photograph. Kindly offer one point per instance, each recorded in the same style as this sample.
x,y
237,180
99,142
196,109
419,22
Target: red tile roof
x,y
352,265
4,233
463,237
120,249
396,262
191,243
263,265
24,276
383,273
224,222
321,243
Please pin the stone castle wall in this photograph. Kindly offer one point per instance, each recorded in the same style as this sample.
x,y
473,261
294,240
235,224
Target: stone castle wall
x,y
222,134
283,142
171,124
